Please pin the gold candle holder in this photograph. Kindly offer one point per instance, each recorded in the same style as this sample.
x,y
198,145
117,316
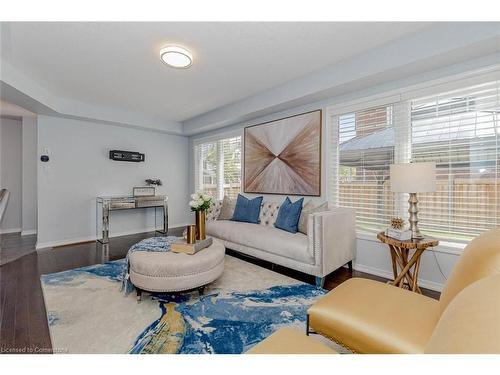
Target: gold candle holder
x,y
191,234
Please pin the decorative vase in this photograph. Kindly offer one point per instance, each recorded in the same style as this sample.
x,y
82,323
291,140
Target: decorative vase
x,y
200,225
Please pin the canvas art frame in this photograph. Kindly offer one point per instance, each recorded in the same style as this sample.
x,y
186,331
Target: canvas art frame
x,y
283,156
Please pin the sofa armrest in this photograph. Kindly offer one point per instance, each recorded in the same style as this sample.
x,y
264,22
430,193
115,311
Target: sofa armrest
x,y
333,239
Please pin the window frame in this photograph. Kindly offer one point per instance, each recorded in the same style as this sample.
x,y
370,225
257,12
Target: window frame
x,y
212,139
399,118
402,95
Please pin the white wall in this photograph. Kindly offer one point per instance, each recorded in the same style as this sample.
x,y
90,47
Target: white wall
x,y
10,171
79,170
29,172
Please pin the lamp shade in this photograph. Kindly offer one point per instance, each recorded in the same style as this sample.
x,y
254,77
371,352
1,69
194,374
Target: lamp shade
x,y
413,177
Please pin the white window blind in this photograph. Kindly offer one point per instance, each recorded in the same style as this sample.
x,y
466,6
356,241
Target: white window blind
x,y
365,150
218,167
459,131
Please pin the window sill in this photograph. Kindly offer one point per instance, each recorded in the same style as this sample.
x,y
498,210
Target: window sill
x,y
445,247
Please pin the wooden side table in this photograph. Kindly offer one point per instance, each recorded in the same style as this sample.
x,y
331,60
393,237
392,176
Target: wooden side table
x,y
404,266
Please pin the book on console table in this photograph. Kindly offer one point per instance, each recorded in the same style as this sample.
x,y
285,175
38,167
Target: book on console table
x,y
399,234
182,246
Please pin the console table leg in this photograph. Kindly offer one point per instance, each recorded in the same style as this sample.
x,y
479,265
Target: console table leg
x,y
105,223
165,218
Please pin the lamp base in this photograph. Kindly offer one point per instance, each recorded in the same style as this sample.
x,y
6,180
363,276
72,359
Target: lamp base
x,y
413,211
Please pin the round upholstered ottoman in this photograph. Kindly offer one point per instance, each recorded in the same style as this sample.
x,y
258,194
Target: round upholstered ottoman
x,y
173,272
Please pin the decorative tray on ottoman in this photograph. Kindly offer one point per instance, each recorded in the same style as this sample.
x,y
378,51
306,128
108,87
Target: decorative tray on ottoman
x,y
182,246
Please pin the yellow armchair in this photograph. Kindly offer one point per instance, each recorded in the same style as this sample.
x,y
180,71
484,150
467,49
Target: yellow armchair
x,y
372,317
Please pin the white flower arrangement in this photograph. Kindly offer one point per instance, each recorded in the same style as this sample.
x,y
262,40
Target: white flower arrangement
x,y
200,201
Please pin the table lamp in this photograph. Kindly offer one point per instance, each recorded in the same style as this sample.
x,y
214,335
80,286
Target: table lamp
x,y
413,178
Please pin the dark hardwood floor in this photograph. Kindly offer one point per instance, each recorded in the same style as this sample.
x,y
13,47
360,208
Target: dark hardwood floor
x,y
13,246
23,322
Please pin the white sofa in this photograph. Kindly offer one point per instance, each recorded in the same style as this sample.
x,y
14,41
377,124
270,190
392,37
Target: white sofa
x,y
330,243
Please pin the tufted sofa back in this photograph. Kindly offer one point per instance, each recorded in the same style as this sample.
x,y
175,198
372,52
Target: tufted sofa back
x,y
268,212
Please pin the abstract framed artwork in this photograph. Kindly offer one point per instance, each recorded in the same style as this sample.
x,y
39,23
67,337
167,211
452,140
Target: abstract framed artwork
x,y
284,156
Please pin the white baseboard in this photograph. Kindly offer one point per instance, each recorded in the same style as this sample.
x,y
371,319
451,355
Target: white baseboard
x,y
28,232
11,230
69,241
432,285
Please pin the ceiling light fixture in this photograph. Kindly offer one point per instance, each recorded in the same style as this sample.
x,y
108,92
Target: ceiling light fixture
x,y
176,57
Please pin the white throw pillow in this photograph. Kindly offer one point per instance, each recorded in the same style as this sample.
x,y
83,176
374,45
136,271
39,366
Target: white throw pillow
x,y
308,209
227,209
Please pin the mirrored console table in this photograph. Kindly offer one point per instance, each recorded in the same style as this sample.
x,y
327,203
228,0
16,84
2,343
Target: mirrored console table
x,y
106,204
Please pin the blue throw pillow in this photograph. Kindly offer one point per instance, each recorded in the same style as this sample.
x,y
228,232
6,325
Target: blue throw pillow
x,y
247,210
289,215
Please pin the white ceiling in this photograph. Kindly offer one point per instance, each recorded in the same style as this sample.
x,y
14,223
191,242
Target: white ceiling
x,y
117,65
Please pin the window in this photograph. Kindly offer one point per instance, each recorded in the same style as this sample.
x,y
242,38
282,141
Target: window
x,y
365,151
218,167
458,130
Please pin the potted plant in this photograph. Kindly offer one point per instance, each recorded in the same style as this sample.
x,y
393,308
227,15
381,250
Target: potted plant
x,y
199,203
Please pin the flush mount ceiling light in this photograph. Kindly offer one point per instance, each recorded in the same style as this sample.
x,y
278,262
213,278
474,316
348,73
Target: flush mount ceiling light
x,y
176,57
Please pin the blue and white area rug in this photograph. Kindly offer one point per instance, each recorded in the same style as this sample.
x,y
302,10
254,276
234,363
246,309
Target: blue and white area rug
x,y
88,314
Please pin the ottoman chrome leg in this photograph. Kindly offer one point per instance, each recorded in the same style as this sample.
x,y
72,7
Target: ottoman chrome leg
x,y
201,290
139,295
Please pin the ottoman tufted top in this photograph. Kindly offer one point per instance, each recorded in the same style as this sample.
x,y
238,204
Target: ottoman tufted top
x,y
170,264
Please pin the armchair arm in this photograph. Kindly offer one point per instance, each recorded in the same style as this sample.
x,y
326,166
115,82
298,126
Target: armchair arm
x,y
333,238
